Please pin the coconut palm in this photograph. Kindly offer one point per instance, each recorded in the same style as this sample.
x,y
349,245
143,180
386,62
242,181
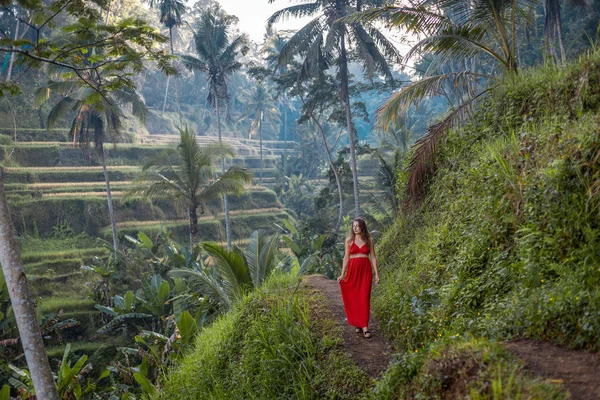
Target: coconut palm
x,y
233,272
95,117
327,41
480,30
186,176
170,12
271,50
217,56
259,105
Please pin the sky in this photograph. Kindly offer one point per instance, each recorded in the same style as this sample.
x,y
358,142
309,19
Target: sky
x,y
253,16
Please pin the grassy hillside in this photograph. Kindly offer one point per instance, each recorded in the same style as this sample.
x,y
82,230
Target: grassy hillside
x,y
278,343
507,241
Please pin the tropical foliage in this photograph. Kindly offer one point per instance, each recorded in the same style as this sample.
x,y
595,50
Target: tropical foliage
x,y
186,177
321,44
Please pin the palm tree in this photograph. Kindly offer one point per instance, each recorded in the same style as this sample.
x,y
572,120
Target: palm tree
x,y
483,30
217,56
170,16
232,272
97,116
259,105
271,50
326,41
186,177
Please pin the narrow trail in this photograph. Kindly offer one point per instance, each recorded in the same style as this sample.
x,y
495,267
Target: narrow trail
x,y
577,370
371,355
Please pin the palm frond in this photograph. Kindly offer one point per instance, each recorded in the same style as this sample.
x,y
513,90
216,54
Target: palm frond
x,y
422,164
230,264
302,40
231,182
192,63
262,255
414,93
60,110
413,19
237,45
457,42
297,11
208,285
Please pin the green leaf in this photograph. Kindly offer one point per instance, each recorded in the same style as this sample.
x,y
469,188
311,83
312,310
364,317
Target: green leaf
x,y
164,292
144,383
145,366
107,310
129,301
5,393
187,327
105,374
146,242
318,243
292,245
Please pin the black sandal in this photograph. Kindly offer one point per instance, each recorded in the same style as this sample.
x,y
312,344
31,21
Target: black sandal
x,y
367,334
357,330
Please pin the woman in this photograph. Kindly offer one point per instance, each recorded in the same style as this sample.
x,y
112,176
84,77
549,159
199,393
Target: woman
x,y
355,280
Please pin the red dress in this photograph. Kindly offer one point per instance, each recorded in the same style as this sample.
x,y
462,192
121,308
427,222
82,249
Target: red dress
x,y
356,288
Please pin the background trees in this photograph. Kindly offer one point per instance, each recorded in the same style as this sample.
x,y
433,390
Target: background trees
x,y
186,176
217,56
260,107
322,43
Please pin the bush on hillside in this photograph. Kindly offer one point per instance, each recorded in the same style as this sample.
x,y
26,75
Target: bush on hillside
x,y
507,242
269,347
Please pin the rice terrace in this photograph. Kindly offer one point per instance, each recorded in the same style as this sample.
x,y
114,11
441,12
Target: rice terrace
x,y
316,199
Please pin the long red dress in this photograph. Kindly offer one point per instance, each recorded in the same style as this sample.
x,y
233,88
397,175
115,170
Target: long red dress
x,y
356,288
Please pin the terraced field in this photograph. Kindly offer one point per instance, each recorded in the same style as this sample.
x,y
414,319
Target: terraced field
x,y
51,184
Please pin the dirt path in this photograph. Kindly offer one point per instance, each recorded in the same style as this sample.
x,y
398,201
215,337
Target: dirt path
x,y
372,355
579,371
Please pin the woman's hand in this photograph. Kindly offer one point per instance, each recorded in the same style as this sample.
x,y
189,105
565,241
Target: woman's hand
x,y
377,279
340,278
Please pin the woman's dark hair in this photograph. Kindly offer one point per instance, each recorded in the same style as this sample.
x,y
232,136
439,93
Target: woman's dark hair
x,y
364,232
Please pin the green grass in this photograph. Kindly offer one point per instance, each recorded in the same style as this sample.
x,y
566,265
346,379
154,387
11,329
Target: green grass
x,y
59,266
269,347
31,259
242,227
458,368
507,242
66,304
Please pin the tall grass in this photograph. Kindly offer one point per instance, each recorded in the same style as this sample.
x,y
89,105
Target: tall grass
x,y
269,347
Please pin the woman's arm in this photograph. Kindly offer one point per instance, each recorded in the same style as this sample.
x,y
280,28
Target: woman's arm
x,y
374,260
345,262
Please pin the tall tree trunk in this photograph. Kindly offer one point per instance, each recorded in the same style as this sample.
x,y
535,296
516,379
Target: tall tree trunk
x,y
111,211
12,55
22,304
193,214
166,94
285,140
260,123
169,76
559,34
225,199
345,99
335,173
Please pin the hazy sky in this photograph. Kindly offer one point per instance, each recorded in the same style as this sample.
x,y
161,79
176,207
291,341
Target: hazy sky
x,y
253,15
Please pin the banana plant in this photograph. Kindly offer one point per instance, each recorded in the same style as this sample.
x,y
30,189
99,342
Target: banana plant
x,y
310,255
71,381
